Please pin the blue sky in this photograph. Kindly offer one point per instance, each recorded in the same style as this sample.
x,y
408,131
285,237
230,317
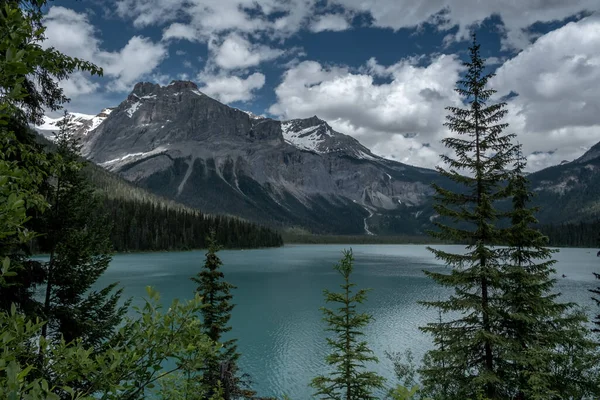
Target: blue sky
x,y
381,71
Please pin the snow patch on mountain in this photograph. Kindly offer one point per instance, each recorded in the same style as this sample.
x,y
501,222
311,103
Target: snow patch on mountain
x,y
306,139
364,156
75,120
133,108
131,157
251,114
78,123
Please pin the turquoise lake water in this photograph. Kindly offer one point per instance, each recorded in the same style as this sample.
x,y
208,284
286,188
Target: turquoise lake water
x,y
279,292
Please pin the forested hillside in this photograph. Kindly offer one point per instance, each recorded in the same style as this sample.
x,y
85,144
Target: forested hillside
x,y
144,225
582,234
143,221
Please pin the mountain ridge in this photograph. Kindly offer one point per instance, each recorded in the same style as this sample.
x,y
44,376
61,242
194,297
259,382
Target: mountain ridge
x,y
180,143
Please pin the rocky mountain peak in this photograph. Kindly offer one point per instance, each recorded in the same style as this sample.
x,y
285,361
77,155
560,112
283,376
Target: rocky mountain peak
x,y
145,88
149,90
181,85
591,154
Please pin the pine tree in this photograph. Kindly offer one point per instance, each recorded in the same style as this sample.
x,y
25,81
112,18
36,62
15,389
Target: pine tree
x,y
221,371
597,293
546,341
468,363
349,379
78,241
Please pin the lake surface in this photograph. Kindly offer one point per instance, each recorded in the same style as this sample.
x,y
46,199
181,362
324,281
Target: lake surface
x,y
279,292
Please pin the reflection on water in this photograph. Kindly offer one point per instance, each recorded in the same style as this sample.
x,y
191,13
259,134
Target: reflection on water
x,y
277,317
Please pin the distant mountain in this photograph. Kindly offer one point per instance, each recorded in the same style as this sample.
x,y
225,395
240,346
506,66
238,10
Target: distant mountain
x,y
144,221
569,192
181,144
79,124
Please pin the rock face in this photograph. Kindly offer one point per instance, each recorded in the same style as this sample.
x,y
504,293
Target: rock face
x,y
182,144
569,192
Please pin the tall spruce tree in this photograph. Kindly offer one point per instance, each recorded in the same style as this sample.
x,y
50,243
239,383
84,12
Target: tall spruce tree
x,y
221,372
78,241
546,353
349,379
467,364
596,292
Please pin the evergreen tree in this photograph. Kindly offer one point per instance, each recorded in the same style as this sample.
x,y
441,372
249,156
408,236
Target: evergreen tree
x,y
349,379
468,341
77,239
597,292
29,84
546,343
221,371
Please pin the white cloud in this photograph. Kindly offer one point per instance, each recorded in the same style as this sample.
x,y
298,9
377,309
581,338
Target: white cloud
x,y
556,114
71,33
329,22
228,89
281,18
78,84
516,15
557,80
378,115
235,52
179,31
139,57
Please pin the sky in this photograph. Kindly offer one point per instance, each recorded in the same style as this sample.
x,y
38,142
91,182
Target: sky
x,y
382,71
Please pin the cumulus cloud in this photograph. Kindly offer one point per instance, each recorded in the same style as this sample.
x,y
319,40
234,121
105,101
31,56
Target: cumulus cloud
x,y
381,115
179,31
516,16
556,80
207,18
78,84
329,22
228,88
282,18
71,33
139,57
235,52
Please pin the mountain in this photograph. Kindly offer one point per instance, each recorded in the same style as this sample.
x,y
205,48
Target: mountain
x,y
569,192
79,124
143,221
181,144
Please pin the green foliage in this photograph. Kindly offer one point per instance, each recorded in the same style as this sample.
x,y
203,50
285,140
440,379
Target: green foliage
x,y
77,239
221,371
581,234
349,380
402,393
465,359
152,226
405,370
145,353
546,344
596,291
30,74
32,367
502,334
